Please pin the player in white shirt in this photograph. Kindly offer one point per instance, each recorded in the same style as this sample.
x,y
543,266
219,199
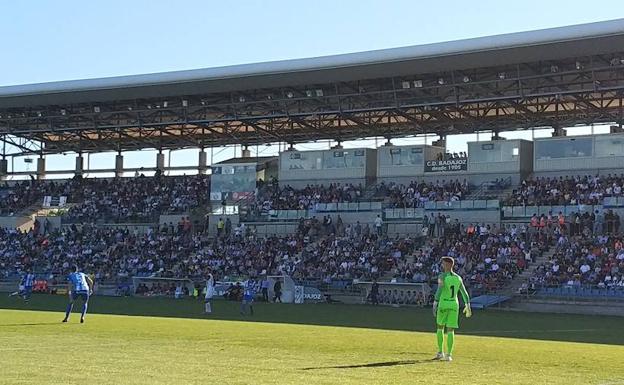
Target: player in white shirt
x,y
210,289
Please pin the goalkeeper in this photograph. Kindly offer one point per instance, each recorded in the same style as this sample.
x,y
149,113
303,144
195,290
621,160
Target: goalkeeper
x,y
446,307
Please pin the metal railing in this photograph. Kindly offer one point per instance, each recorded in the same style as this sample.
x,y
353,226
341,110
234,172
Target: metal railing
x,y
479,204
408,213
528,211
288,215
348,206
574,292
613,202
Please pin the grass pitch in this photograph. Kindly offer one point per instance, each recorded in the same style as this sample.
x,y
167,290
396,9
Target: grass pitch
x,y
297,344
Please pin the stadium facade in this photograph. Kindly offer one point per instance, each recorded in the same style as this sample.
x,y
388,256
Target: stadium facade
x,y
553,78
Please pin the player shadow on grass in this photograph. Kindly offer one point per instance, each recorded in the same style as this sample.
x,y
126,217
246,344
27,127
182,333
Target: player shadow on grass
x,y
373,365
30,324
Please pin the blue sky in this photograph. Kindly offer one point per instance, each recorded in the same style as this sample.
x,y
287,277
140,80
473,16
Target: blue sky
x,y
49,40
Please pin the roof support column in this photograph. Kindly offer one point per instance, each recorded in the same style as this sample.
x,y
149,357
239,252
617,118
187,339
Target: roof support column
x,y
119,166
79,165
41,169
201,166
246,152
4,168
4,163
160,162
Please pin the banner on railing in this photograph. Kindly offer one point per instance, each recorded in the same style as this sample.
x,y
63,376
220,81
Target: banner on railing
x,y
298,294
459,164
231,195
50,201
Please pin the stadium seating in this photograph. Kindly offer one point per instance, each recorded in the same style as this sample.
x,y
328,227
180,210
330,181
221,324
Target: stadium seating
x,y
585,266
325,250
139,199
111,200
487,257
115,254
416,194
273,197
586,190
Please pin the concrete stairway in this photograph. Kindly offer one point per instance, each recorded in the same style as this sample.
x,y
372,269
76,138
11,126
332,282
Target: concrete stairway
x,y
387,277
516,283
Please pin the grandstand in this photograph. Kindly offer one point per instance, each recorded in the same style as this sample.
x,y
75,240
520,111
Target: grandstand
x,y
524,218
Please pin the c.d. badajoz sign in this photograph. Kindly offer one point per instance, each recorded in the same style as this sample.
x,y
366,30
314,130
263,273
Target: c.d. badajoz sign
x,y
459,164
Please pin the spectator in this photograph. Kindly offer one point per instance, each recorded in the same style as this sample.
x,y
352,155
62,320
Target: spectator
x,y
277,290
378,225
416,194
586,190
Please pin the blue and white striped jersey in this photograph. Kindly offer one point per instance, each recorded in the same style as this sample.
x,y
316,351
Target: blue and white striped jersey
x,y
78,282
250,291
28,280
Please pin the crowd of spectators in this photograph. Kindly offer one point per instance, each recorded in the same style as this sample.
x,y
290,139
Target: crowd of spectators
x,y
322,250
486,256
115,200
271,196
22,194
139,199
579,223
588,247
416,194
596,260
161,289
587,190
171,251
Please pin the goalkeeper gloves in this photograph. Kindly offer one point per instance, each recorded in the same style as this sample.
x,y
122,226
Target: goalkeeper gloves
x,y
435,308
467,311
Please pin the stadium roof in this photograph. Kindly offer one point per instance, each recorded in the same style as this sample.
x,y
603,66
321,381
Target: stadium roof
x,y
553,77
540,45
243,160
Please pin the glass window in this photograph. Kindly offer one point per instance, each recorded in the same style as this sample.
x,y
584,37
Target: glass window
x,y
609,146
509,151
356,158
400,156
233,179
501,151
486,153
309,160
415,156
344,159
563,148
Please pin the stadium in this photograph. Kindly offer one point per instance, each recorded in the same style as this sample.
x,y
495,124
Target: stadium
x,y
321,266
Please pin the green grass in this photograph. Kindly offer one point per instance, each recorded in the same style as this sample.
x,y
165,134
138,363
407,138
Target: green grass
x,y
296,344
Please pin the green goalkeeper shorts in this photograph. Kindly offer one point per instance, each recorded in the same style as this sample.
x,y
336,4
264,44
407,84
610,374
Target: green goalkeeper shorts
x,y
448,317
